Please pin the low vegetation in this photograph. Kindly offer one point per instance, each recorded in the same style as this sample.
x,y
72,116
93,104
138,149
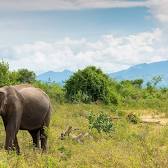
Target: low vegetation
x,y
104,114
127,145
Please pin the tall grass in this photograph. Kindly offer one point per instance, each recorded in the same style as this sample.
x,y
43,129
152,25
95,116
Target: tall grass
x,y
129,145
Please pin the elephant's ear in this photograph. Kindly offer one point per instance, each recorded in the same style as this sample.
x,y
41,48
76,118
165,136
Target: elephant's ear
x,y
3,100
2,96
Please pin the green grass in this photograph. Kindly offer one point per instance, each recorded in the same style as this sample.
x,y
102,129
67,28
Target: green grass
x,y
128,146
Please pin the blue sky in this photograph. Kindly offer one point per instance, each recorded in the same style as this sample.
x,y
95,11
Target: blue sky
x,y
22,27
71,34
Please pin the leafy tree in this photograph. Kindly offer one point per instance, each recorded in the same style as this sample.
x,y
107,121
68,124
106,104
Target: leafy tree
x,y
25,76
13,77
130,91
137,83
8,77
4,74
151,85
156,80
90,85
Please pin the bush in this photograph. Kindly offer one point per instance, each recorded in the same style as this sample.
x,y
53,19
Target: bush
x,y
132,118
102,122
90,85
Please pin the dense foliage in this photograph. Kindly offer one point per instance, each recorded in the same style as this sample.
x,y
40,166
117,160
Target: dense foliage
x,y
8,77
4,74
25,76
90,85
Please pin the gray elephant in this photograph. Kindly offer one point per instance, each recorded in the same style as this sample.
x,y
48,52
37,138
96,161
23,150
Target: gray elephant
x,y
24,107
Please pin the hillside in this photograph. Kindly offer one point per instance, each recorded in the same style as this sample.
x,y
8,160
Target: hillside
x,y
58,77
144,71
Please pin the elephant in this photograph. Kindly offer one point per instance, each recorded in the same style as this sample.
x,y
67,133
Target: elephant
x,y
24,107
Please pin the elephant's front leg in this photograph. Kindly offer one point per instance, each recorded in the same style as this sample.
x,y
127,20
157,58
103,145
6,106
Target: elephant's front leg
x,y
17,145
11,132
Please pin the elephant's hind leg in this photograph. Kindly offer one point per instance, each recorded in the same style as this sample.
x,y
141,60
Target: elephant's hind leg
x,y
36,137
43,137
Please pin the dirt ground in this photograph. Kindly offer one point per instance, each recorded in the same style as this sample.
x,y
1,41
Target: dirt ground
x,y
157,119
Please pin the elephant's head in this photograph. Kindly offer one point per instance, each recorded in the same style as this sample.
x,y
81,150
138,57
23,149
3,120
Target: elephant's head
x,y
3,100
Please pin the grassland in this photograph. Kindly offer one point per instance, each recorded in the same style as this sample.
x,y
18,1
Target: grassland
x,y
128,146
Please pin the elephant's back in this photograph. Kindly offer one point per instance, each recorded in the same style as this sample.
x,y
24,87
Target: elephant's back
x,y
36,108
35,94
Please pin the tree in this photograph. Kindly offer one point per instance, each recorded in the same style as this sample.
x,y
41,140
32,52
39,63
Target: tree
x,y
4,74
154,82
8,77
90,85
25,76
137,83
13,77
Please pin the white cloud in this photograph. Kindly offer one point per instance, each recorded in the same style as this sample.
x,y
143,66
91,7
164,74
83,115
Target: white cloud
x,y
159,9
29,5
111,53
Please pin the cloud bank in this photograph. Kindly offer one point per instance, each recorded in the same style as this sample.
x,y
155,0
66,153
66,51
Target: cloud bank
x,y
45,5
159,9
111,53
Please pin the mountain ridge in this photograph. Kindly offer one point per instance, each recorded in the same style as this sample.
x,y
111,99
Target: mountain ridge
x,y
145,71
52,76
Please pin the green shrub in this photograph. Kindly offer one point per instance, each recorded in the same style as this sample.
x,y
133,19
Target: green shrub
x,y
91,85
102,122
128,89
132,118
80,97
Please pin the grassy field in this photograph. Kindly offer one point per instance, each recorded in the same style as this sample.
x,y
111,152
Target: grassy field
x,y
128,146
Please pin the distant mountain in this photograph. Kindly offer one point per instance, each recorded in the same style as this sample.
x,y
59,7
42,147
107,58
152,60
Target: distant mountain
x,y
58,77
144,71
141,71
